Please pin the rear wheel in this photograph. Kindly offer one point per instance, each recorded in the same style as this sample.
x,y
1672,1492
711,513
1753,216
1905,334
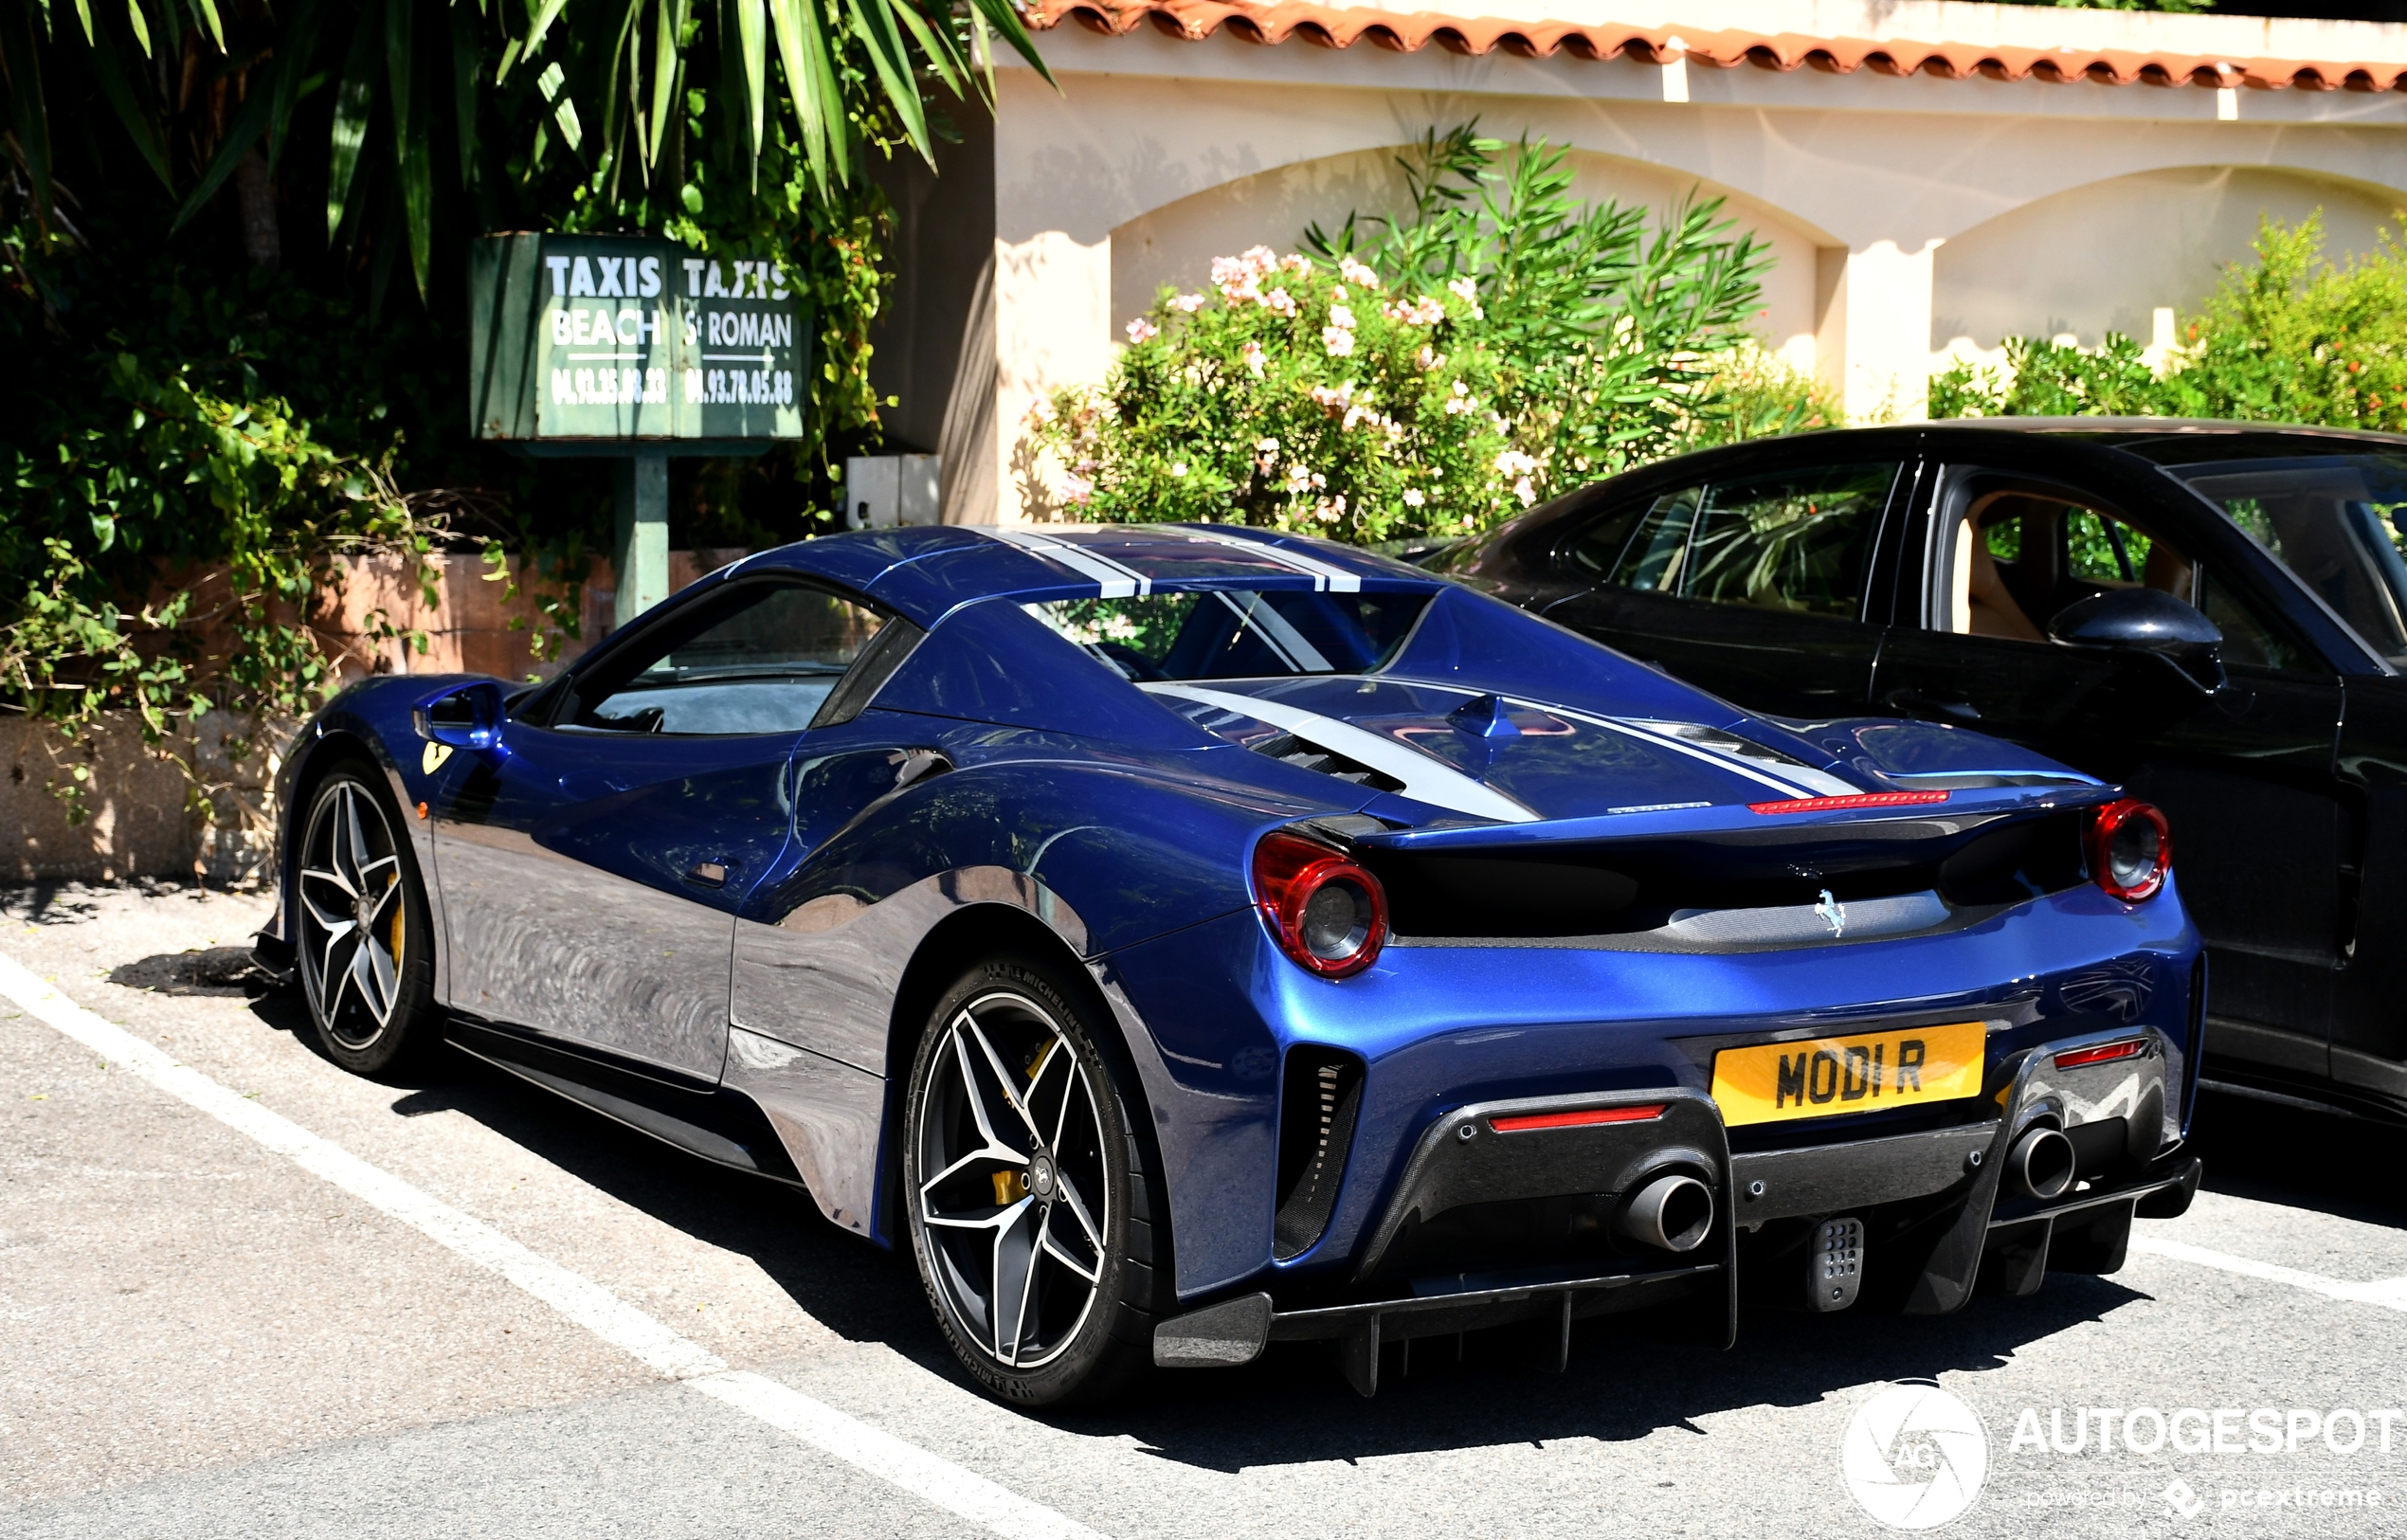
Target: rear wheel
x,y
363,934
1031,1210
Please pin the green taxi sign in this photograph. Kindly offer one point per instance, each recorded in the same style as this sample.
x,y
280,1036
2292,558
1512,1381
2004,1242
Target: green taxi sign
x,y
600,344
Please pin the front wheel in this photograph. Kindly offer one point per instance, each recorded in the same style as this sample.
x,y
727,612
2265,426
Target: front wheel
x,y
363,934
1031,1212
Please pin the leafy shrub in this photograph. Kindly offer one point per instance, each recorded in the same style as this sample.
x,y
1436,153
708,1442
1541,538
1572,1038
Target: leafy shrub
x,y
140,469
1420,376
1757,395
2288,337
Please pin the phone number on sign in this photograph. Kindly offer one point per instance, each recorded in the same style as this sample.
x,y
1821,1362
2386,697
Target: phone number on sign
x,y
650,387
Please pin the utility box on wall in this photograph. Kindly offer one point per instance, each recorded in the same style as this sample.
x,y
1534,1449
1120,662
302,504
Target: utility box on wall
x,y
576,338
882,491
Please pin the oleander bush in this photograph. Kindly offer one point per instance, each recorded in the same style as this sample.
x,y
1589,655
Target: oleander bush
x,y
1426,375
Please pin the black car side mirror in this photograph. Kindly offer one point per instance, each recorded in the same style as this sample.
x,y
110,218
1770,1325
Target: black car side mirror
x,y
468,717
2146,621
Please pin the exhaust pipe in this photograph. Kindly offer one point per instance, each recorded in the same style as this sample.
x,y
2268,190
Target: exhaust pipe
x,y
2041,1164
1673,1213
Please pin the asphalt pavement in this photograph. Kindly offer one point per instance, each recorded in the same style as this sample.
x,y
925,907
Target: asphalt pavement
x,y
245,1294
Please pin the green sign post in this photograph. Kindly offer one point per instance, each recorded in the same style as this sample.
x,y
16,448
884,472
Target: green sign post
x,y
635,350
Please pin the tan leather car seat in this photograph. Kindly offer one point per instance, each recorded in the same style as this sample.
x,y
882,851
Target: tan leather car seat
x,y
1989,609
2167,571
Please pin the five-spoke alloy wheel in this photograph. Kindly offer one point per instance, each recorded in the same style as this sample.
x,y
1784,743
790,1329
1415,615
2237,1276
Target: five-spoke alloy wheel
x,y
363,948
1019,1181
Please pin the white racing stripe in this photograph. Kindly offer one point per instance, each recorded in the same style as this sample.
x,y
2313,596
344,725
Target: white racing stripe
x,y
1799,776
1118,581
1425,778
651,1342
2390,1293
1323,574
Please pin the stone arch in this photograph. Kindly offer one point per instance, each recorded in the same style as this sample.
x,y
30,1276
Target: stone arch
x,y
1173,243
2115,254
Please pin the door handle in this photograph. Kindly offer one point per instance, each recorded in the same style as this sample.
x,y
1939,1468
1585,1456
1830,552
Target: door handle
x,y
1914,702
708,874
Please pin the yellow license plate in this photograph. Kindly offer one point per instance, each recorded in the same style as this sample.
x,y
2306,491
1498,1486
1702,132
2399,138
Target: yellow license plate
x,y
1861,1073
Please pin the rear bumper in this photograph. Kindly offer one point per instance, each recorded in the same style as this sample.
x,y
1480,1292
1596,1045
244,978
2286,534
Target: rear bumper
x,y
1947,1229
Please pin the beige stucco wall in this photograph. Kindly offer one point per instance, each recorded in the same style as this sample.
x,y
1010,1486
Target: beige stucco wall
x,y
2107,257
1906,212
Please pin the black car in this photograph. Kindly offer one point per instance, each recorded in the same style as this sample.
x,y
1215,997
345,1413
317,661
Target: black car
x,y
2211,614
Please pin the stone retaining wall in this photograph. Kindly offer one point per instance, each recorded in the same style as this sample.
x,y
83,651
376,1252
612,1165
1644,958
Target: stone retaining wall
x,y
149,817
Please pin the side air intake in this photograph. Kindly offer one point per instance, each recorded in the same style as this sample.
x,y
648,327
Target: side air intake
x,y
1321,1093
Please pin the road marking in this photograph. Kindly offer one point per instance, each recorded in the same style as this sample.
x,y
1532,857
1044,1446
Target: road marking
x,y
659,1347
2390,1293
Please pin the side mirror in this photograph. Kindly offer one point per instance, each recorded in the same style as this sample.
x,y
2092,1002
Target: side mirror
x,y
468,718
2149,622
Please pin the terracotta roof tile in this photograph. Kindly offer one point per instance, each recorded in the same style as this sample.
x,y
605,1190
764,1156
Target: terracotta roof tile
x,y
1341,27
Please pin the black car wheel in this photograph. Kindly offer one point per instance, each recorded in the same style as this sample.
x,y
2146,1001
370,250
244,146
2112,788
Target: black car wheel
x,y
1030,1207
363,934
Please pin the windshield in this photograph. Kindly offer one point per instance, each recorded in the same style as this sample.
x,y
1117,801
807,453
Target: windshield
x,y
1236,633
2336,520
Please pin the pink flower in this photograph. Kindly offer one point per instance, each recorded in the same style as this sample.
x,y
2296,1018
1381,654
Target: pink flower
x,y
1294,262
1354,272
1141,330
1340,316
1186,305
1339,340
1251,353
1466,290
1412,497
1279,303
1421,312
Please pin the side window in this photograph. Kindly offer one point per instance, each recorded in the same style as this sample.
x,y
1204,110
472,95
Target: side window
x,y
1798,541
2247,640
2019,559
763,661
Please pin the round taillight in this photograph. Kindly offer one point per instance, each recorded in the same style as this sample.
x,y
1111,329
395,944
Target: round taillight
x,y
1327,912
2131,849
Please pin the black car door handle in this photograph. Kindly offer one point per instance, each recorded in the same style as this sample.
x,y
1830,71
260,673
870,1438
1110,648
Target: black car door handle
x,y
1915,703
708,874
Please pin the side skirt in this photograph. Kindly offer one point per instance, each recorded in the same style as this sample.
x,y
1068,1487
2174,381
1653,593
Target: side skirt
x,y
723,1127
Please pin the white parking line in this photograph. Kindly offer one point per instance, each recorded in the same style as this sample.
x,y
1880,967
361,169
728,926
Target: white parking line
x,y
2390,1293
659,1347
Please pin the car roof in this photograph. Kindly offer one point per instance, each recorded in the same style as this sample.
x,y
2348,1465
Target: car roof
x,y
2177,440
927,572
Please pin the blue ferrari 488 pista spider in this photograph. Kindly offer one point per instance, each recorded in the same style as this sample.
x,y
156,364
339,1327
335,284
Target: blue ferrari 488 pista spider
x,y
1184,938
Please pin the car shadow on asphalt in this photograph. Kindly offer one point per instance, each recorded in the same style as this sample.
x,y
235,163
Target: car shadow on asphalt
x,y
2326,1162
1629,1375
856,1289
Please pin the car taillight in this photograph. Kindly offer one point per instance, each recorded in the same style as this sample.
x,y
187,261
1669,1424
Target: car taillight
x,y
2105,1053
2131,849
1327,912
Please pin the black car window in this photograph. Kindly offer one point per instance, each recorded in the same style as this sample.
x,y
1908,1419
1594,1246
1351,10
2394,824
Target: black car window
x,y
2337,521
1794,540
761,658
2019,559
